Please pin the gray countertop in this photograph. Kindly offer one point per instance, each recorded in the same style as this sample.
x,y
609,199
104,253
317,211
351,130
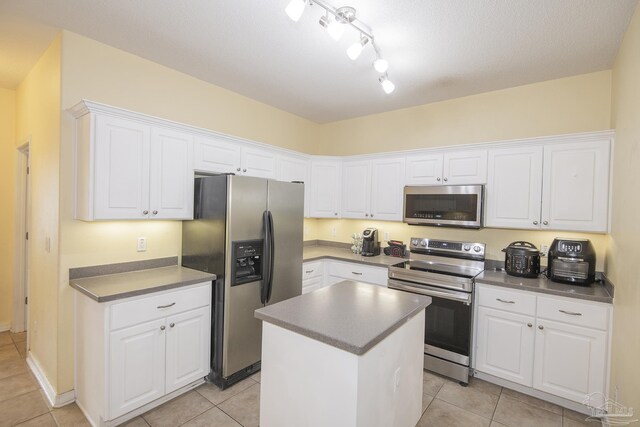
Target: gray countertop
x,y
595,292
351,316
315,252
111,287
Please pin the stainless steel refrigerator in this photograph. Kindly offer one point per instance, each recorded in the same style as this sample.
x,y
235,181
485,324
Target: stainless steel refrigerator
x,y
248,232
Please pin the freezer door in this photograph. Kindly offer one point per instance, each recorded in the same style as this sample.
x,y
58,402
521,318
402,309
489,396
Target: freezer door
x,y
286,204
247,201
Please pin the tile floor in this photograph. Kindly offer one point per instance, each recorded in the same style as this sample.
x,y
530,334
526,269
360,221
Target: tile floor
x,y
445,403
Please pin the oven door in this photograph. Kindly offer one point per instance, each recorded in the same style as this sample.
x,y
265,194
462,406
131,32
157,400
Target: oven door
x,y
447,333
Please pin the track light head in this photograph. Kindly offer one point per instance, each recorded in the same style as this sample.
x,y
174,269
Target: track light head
x,y
354,51
295,9
333,27
387,85
381,65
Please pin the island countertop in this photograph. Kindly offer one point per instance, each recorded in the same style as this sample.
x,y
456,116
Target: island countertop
x,y
351,316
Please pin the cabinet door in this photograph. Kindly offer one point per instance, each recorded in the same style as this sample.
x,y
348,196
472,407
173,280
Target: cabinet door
x,y
387,188
121,169
462,167
258,162
325,189
136,366
216,156
570,361
424,169
513,193
171,179
576,186
295,169
356,189
504,345
188,338
312,284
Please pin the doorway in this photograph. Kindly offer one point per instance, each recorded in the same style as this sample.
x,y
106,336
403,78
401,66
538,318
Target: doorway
x,y
23,202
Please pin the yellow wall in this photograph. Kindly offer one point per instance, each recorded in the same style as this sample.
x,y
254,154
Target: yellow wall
x,y
573,104
8,159
622,259
38,116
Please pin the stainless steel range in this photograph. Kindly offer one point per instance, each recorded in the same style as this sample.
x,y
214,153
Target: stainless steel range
x,y
444,270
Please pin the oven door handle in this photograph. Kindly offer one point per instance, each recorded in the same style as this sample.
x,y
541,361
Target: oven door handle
x,y
423,290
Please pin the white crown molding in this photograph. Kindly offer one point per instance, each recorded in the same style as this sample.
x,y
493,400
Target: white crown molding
x,y
55,400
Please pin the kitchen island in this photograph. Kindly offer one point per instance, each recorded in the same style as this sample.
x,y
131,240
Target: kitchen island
x,y
347,355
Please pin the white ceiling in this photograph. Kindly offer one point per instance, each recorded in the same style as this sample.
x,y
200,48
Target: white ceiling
x,y
438,49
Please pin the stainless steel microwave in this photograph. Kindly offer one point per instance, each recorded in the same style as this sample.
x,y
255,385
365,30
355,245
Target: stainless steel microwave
x,y
444,205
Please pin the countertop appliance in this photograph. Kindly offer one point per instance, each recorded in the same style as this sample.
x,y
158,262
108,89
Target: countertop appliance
x,y
370,242
248,231
572,261
443,270
522,259
444,205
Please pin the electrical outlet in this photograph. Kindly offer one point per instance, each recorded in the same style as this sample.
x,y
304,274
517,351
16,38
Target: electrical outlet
x,y
142,244
396,380
333,231
47,244
386,235
544,249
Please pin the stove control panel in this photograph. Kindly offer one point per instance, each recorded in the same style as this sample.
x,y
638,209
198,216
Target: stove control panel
x,y
463,249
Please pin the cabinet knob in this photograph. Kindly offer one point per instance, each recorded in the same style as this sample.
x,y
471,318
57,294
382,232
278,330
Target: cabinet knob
x,y
244,170
535,222
336,213
371,215
438,179
545,222
529,325
145,212
162,328
540,327
446,179
366,214
238,169
155,212
172,324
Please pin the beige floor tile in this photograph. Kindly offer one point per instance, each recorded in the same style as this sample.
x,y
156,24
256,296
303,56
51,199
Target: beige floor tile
x,y
569,422
8,351
256,376
431,383
426,400
5,338
515,413
469,398
216,396
70,416
22,408
22,349
244,407
443,414
178,411
534,401
16,385
485,386
13,365
568,413
19,337
45,420
214,417
496,424
135,422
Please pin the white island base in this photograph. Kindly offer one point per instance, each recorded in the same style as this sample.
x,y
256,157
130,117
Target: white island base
x,y
305,382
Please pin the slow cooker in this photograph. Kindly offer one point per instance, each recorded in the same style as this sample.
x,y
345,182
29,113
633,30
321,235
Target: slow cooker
x,y
522,259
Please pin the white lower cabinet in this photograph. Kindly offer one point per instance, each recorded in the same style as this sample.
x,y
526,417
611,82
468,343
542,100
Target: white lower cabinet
x,y
137,351
561,349
322,273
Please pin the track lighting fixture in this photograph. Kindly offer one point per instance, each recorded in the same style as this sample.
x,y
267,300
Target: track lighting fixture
x,y
334,21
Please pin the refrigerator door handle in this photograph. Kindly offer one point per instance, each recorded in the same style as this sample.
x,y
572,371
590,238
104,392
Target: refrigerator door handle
x,y
266,266
272,257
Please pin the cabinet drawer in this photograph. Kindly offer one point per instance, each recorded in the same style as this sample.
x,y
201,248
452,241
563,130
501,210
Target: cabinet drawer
x,y
506,299
359,272
573,312
159,305
312,284
312,269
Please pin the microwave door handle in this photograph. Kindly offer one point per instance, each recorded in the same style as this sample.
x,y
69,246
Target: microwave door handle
x,y
394,284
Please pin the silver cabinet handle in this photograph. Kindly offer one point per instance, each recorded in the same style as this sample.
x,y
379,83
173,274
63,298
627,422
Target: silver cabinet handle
x,y
238,169
570,313
529,325
167,306
446,179
172,324
309,271
155,212
545,222
356,273
162,328
505,301
438,179
540,327
535,222
145,212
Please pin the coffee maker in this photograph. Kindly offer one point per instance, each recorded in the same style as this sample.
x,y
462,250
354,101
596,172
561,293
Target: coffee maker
x,y
370,242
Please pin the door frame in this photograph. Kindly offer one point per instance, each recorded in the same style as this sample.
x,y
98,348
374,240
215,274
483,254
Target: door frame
x,y
21,272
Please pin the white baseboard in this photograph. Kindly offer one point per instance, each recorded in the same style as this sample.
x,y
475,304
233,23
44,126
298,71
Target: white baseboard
x,y
5,327
55,400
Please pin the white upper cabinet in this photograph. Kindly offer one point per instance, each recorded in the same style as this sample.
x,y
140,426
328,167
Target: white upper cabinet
x,y
290,168
459,167
387,185
258,162
575,193
128,170
216,156
514,191
356,188
325,188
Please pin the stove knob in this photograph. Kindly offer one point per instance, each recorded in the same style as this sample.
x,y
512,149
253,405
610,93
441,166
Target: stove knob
x,y
423,243
415,242
467,247
477,248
